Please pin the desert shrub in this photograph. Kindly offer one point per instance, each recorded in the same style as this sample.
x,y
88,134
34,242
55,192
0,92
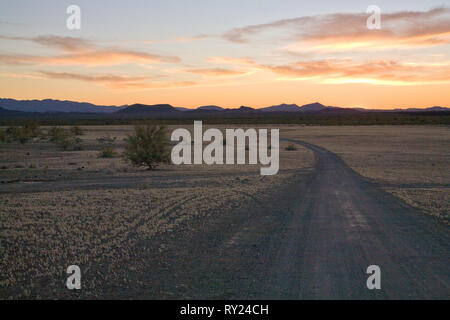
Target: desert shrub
x,y
31,129
17,134
56,133
77,146
76,130
148,146
69,142
291,147
65,142
107,152
22,134
3,135
64,139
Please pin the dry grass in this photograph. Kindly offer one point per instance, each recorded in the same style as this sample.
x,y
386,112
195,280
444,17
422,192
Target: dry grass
x,y
435,201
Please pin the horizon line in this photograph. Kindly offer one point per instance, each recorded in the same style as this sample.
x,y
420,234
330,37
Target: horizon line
x,y
216,105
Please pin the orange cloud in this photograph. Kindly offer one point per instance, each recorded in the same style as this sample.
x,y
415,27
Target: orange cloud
x,y
116,81
231,61
63,43
373,72
90,58
78,51
215,72
348,30
58,42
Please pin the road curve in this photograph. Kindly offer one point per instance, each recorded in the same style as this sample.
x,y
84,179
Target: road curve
x,y
342,225
313,240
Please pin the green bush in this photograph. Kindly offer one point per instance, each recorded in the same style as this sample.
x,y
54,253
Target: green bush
x,y
107,152
65,142
64,139
17,134
22,134
56,133
148,146
76,130
3,135
291,147
31,129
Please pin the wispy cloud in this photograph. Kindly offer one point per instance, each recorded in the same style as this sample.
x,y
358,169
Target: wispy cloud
x,y
195,38
58,42
21,75
64,43
79,51
231,61
92,78
348,30
90,58
116,81
374,72
215,72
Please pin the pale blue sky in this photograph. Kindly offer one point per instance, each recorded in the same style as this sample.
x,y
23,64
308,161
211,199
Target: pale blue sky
x,y
149,19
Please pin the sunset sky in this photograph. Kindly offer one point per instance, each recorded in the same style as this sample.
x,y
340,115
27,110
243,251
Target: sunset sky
x,y
229,53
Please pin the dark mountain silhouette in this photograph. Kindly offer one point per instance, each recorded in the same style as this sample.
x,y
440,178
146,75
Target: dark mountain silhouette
x,y
282,108
9,113
49,105
210,108
29,107
243,109
145,109
432,109
337,111
313,107
183,109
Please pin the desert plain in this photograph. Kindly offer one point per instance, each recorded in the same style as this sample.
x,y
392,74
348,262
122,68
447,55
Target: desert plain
x,y
129,228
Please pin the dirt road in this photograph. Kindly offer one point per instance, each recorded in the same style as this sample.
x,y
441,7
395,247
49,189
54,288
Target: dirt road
x,y
315,242
342,226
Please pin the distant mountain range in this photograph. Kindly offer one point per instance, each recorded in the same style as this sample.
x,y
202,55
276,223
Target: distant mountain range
x,y
7,113
14,107
49,105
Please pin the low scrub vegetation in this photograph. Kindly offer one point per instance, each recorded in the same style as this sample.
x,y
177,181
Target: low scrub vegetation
x,y
55,133
3,135
64,139
291,147
148,146
22,133
76,131
107,152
